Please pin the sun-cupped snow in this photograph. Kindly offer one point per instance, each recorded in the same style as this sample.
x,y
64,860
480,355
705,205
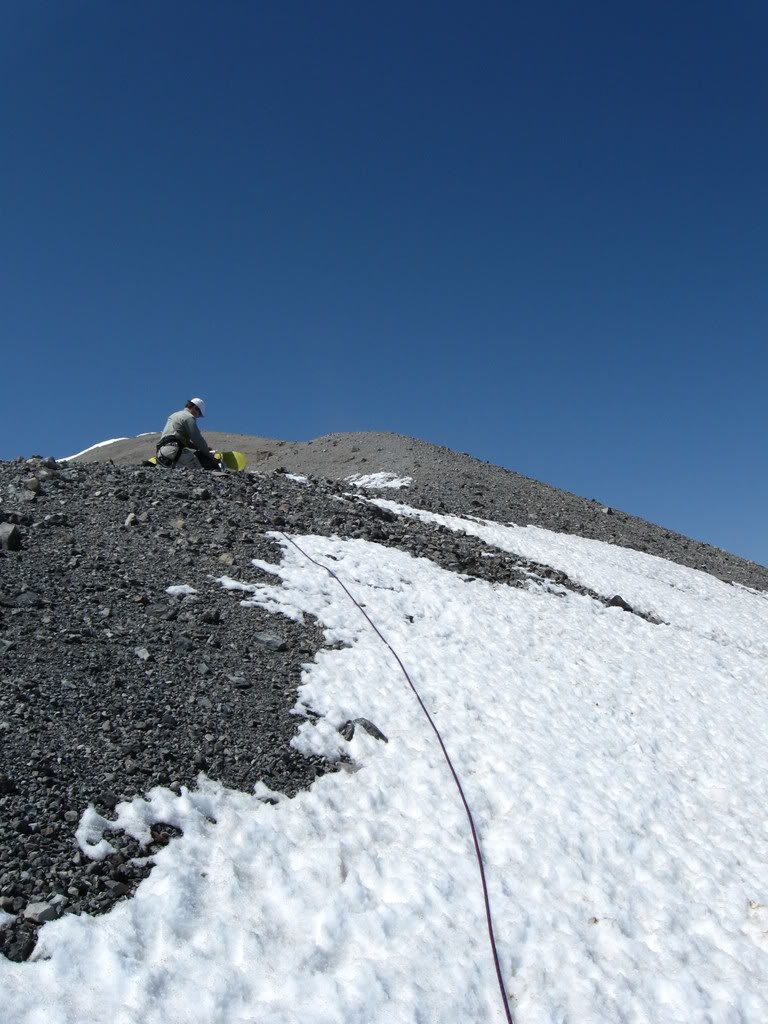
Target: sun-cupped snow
x,y
618,775
93,447
378,481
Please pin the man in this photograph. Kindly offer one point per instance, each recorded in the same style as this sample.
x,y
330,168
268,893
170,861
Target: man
x,y
181,443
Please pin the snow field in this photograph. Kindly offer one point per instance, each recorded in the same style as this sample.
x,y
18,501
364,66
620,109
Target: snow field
x,y
689,600
617,783
616,771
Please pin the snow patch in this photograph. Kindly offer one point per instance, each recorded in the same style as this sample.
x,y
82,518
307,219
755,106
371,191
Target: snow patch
x,y
180,589
137,816
708,609
101,444
375,481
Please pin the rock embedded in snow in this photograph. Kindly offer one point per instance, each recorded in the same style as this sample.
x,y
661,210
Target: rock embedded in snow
x,y
617,601
347,730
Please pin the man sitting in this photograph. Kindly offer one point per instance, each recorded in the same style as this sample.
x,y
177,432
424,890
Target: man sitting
x,y
181,443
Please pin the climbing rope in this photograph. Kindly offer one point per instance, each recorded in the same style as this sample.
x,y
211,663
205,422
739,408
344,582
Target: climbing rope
x,y
475,840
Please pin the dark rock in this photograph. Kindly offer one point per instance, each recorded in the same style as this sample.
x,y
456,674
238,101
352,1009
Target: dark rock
x,y
347,730
270,641
39,913
55,519
116,888
10,537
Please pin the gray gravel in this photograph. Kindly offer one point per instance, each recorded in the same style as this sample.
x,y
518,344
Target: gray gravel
x,y
109,686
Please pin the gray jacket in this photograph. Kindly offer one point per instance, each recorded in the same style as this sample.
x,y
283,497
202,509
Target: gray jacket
x,y
183,425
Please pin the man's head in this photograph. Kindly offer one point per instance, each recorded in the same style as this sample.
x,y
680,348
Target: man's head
x,y
196,406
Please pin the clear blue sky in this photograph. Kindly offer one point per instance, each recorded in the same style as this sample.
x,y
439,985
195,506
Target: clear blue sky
x,y
535,232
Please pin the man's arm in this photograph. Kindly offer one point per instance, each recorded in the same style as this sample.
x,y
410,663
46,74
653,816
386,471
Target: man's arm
x,y
196,439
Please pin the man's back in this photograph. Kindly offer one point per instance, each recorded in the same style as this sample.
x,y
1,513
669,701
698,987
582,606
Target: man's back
x,y
182,424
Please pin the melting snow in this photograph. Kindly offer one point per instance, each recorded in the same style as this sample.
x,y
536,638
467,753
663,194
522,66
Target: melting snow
x,y
375,481
180,589
618,774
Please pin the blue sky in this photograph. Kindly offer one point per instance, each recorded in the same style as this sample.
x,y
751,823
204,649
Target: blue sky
x,y
534,232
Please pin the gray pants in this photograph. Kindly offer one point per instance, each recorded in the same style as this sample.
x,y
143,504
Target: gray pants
x,y
188,459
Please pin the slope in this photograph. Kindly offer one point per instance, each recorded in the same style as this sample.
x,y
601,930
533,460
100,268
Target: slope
x,y
259,857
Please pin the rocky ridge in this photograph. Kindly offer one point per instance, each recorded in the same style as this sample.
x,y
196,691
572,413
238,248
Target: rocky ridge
x,y
110,685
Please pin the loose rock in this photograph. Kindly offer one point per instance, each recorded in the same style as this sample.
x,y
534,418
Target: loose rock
x,y
10,537
39,913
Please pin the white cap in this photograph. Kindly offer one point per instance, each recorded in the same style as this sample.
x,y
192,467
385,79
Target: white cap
x,y
200,405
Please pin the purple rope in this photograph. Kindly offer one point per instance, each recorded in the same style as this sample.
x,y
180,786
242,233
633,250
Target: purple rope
x,y
475,840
